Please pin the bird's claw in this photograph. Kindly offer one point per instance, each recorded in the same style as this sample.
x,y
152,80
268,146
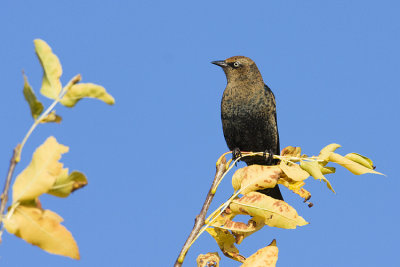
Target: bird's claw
x,y
236,153
270,158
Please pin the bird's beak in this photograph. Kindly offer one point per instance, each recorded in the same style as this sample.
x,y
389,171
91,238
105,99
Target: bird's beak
x,y
220,63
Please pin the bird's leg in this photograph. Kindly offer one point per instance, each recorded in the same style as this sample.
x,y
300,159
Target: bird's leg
x,y
236,153
270,158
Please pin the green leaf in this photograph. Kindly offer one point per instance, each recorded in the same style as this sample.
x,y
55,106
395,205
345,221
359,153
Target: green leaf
x,y
82,90
35,105
52,70
66,184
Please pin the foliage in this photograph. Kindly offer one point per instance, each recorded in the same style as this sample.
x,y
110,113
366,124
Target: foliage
x,y
291,172
25,217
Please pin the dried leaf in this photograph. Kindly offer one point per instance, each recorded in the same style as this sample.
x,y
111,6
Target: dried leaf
x,y
82,90
255,177
41,173
52,70
276,213
51,117
226,241
265,257
314,168
352,166
210,259
239,229
291,151
295,187
66,184
42,228
35,105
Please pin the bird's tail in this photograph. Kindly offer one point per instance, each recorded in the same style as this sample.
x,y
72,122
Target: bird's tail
x,y
272,192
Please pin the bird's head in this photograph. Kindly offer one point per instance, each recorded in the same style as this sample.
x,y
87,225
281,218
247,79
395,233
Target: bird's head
x,y
239,68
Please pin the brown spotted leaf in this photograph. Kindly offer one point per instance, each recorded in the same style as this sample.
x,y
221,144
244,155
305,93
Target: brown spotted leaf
x,y
291,151
226,241
295,187
265,257
255,177
239,229
276,213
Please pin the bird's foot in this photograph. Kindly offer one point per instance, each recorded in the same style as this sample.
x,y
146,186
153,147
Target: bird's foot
x,y
236,153
270,157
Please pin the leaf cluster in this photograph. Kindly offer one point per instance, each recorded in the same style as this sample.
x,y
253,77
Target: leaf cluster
x,y
25,217
291,172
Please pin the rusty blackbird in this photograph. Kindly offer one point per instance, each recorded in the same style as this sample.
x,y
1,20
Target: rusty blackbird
x,y
248,113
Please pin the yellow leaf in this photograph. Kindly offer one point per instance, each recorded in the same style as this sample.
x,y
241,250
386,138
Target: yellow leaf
x,y
35,105
41,173
293,171
295,187
276,213
265,257
352,166
66,184
313,168
52,71
329,148
255,177
81,90
325,152
42,228
51,117
210,259
239,229
252,226
360,159
226,241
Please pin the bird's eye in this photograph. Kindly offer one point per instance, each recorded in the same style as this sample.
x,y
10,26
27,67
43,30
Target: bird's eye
x,y
236,64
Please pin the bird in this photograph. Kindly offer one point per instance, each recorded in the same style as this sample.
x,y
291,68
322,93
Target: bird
x,y
248,114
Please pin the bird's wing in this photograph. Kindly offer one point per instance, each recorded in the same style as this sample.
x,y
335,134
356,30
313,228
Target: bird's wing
x,y
268,91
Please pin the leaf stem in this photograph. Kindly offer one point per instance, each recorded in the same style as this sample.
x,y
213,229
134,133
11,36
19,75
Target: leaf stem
x,y
200,219
4,195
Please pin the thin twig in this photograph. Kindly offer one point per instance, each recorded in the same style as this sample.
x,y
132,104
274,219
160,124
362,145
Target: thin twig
x,y
200,219
4,195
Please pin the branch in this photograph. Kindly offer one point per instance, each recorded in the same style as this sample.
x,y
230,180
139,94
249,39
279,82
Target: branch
x,y
200,219
4,195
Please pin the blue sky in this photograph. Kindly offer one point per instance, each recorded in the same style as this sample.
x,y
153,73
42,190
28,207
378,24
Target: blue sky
x,y
333,66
